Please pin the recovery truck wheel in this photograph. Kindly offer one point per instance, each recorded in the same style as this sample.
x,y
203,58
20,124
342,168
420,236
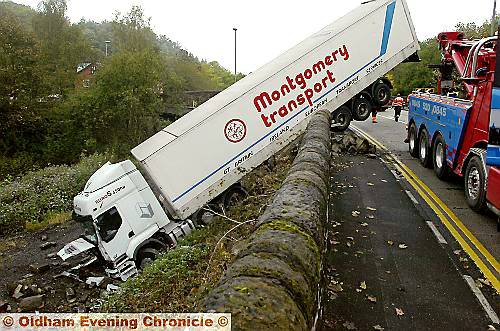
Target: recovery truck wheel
x,y
424,151
361,108
233,195
475,191
439,158
146,256
381,94
412,140
341,119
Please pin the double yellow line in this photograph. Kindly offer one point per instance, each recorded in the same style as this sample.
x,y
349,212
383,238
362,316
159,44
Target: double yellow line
x,y
447,217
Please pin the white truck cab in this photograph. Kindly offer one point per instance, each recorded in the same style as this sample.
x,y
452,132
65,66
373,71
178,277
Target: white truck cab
x,y
123,220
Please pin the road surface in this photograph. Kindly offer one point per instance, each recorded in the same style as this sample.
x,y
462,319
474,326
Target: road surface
x,y
404,251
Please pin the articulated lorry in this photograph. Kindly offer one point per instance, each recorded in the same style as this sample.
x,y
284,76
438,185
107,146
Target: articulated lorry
x,y
131,215
462,136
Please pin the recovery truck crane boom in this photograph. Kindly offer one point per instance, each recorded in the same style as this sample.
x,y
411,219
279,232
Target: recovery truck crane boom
x,y
131,215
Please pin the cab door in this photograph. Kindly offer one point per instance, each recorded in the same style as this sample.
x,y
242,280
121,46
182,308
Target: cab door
x,y
114,233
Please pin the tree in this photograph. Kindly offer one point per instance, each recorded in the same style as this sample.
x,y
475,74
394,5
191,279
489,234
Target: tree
x,y
122,108
19,85
62,46
132,32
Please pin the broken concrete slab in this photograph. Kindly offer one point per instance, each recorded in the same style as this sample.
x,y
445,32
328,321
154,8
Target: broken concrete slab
x,y
32,303
17,292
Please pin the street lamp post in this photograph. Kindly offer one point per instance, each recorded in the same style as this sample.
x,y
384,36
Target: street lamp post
x,y
107,42
235,29
493,25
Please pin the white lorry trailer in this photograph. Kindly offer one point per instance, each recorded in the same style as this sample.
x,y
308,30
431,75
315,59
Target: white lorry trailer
x,y
130,216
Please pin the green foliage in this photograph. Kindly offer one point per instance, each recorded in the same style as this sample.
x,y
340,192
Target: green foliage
x,y
39,194
62,46
20,109
408,76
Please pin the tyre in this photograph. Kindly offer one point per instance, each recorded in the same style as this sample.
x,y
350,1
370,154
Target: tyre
x,y
412,140
361,108
341,119
424,153
234,195
205,216
439,158
475,190
381,94
146,256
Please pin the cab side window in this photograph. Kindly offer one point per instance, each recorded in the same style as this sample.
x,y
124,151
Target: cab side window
x,y
108,224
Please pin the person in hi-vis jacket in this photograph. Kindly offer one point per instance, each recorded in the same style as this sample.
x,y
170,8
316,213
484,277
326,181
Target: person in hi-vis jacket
x,y
398,105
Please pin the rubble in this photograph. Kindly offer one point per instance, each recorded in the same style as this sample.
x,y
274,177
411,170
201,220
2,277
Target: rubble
x,y
352,144
39,268
32,303
17,292
4,307
47,245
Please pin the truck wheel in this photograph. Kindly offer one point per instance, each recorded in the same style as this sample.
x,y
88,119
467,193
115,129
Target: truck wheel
x,y
381,94
342,118
234,195
204,216
412,140
145,257
424,149
362,108
439,158
475,177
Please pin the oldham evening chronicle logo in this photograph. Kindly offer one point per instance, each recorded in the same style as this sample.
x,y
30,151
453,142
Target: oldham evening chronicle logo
x,y
235,130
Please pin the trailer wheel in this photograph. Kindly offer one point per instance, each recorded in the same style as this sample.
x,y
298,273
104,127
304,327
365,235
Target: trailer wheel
x,y
412,140
146,256
439,158
341,119
361,108
381,94
234,195
424,153
475,191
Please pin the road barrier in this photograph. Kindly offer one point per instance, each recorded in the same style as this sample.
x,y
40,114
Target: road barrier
x,y
273,283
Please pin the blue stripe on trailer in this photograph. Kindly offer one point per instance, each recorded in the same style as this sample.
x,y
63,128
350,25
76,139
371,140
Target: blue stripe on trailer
x,y
385,41
389,16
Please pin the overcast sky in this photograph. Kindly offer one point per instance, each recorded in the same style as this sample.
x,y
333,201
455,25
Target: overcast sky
x,y
266,28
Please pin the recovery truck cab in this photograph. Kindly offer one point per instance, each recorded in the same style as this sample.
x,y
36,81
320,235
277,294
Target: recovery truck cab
x,y
454,135
131,215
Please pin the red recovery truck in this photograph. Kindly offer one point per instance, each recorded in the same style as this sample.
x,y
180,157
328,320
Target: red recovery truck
x,y
462,135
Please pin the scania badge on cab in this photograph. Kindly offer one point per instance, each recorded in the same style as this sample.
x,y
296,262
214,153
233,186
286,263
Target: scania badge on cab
x,y
130,215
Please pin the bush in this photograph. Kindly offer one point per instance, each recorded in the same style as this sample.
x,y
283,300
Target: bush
x,y
34,197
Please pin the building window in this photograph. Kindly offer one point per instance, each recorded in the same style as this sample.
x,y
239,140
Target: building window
x,y
86,82
108,224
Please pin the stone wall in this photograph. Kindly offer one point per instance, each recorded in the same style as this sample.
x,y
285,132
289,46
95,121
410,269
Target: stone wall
x,y
273,283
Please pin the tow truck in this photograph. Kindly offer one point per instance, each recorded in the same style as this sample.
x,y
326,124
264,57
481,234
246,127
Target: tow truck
x,y
131,214
461,135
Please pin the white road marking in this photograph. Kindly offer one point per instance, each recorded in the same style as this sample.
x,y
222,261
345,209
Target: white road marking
x,y
392,119
480,296
412,198
436,232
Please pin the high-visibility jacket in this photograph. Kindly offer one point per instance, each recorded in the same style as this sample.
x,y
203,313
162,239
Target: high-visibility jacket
x,y
398,102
